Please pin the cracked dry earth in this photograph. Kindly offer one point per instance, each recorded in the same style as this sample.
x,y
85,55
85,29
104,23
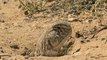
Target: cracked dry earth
x,y
18,34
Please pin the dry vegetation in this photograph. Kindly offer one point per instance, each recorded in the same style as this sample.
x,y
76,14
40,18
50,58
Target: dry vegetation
x,y
74,7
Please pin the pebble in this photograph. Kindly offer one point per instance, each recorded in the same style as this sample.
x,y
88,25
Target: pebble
x,y
14,45
1,50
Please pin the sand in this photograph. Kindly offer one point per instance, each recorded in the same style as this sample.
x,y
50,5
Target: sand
x,y
22,32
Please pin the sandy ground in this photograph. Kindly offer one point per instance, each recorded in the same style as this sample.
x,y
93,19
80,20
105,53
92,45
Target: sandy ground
x,y
17,29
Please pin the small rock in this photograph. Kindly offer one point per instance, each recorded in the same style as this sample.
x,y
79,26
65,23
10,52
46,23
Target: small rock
x,y
14,45
4,2
25,52
71,19
78,34
26,57
1,50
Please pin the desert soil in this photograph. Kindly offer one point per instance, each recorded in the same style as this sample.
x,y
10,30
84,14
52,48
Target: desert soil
x,y
18,33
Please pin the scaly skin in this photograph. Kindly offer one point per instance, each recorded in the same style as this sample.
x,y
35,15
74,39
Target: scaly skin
x,y
53,39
